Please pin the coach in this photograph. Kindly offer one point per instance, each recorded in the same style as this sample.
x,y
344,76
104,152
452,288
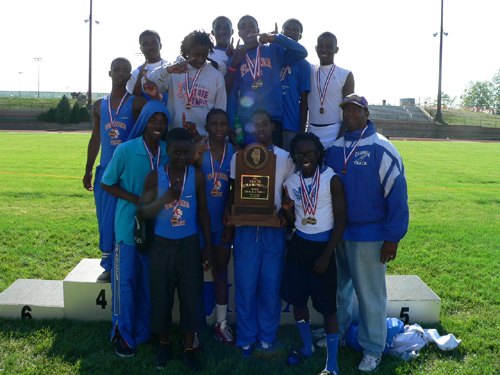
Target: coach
x,y
377,219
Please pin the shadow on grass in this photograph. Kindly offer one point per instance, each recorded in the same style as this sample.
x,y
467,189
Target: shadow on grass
x,y
65,346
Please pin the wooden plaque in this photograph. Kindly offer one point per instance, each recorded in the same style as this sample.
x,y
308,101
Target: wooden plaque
x,y
254,188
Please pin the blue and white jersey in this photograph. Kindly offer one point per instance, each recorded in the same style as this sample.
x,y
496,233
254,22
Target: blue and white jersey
x,y
183,211
217,190
114,134
374,185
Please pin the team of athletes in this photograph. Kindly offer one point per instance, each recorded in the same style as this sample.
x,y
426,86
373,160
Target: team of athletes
x,y
169,134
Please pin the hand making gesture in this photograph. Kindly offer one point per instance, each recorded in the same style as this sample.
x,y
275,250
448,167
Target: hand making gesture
x,y
150,88
180,67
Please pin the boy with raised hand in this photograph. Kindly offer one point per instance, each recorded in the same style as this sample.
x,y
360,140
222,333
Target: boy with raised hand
x,y
329,85
315,204
194,86
150,43
254,73
258,257
296,83
124,178
114,116
175,196
215,163
222,30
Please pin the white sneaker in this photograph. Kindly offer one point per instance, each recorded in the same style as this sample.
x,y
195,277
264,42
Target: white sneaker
x,y
369,363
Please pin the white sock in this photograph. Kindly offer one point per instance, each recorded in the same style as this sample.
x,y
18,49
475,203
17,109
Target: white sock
x,y
220,312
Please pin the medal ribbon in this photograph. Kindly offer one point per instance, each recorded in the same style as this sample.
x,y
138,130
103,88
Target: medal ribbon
x,y
310,199
189,91
255,70
284,73
182,188
212,163
322,91
151,157
346,160
113,120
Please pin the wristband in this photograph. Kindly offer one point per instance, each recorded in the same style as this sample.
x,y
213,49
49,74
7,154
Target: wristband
x,y
231,69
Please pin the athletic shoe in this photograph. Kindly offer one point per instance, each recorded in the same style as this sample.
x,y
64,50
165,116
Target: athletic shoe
x,y
326,372
266,350
318,333
369,363
104,277
163,356
189,359
247,351
122,348
224,334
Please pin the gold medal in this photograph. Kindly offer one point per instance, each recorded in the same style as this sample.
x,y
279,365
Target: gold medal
x,y
313,221
344,171
174,221
189,106
259,83
255,86
321,110
304,221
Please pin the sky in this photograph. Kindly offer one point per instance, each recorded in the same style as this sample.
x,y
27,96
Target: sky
x,y
387,44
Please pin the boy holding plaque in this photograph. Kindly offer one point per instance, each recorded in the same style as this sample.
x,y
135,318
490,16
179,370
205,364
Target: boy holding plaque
x,y
329,85
258,257
194,86
315,204
175,196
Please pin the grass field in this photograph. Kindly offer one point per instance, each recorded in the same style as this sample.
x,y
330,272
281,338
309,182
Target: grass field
x,y
459,117
47,225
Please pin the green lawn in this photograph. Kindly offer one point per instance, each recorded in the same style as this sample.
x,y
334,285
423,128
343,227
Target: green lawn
x,y
459,117
48,225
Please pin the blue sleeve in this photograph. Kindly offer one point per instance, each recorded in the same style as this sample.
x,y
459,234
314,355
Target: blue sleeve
x,y
115,167
305,77
294,51
393,179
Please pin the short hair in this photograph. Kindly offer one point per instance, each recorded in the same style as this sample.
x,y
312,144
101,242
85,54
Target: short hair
x,y
216,111
178,134
120,59
248,16
307,137
149,32
262,112
294,20
221,18
196,37
327,33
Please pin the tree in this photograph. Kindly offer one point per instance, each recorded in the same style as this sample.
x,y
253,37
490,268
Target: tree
x,y
478,94
84,115
47,116
63,111
447,100
495,90
75,114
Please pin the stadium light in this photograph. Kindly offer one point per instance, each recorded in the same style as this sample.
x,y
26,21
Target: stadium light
x,y
20,74
89,20
439,115
38,59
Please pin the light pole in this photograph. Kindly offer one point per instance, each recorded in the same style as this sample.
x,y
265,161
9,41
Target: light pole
x,y
38,59
20,74
89,20
439,115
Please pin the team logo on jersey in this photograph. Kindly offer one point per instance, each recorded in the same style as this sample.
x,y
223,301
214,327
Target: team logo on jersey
x,y
297,194
177,222
361,157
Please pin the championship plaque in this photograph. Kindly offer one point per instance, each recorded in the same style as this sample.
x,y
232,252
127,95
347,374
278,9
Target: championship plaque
x,y
254,188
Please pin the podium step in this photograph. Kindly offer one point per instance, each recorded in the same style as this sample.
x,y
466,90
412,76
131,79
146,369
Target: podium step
x,y
33,299
84,298
80,297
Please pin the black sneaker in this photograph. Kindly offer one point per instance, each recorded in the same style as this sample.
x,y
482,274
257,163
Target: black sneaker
x,y
189,359
122,348
163,356
104,277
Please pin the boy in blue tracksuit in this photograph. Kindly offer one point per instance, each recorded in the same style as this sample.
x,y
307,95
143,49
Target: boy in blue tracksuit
x,y
377,219
124,179
258,258
114,117
253,74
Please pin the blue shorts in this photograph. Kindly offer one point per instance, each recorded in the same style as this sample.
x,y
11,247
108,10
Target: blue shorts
x,y
300,282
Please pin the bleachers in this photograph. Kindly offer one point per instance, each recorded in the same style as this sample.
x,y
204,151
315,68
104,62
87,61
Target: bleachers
x,y
398,113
